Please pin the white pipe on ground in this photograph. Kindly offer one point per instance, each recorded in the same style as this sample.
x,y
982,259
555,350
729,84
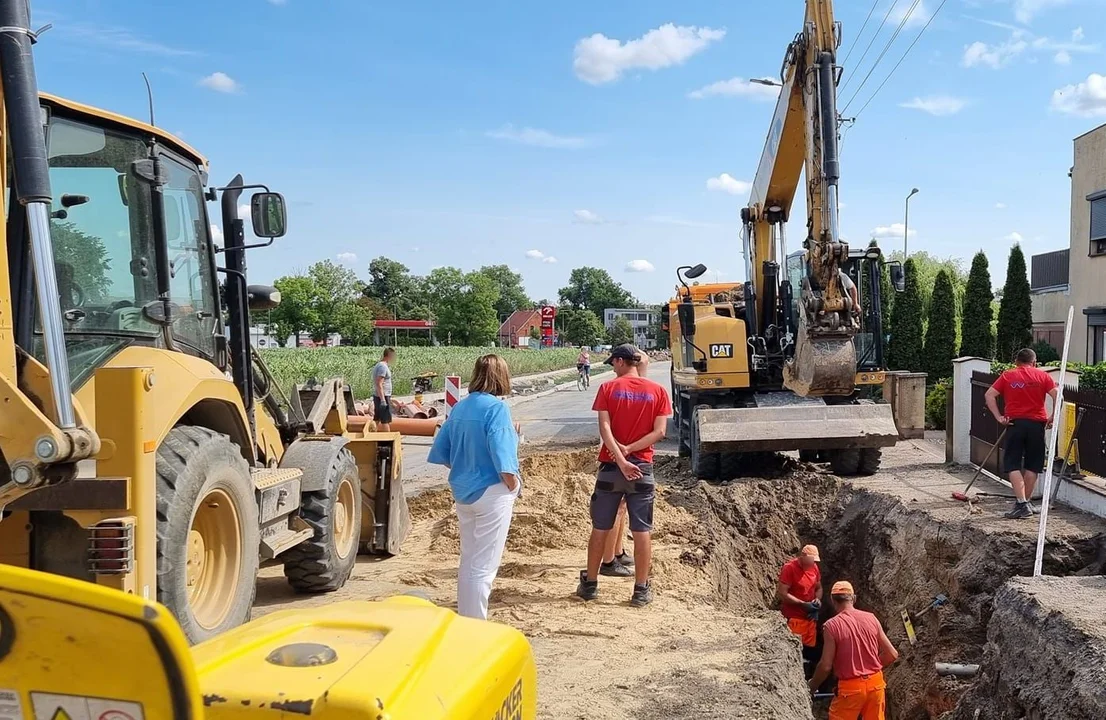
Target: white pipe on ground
x,y
956,669
1046,491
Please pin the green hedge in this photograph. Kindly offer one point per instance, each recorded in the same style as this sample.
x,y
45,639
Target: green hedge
x,y
937,400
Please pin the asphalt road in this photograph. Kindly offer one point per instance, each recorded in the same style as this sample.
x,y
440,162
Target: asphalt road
x,y
564,417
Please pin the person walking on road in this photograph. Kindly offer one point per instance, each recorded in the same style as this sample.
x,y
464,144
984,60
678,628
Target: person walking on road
x,y
799,591
633,415
1023,389
382,391
479,444
856,649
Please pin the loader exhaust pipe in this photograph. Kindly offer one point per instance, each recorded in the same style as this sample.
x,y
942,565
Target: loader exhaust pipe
x,y
32,188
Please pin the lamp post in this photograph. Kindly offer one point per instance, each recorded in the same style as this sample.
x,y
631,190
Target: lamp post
x,y
906,224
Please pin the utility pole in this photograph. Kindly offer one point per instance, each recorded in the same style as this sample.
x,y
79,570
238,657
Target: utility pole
x,y
906,224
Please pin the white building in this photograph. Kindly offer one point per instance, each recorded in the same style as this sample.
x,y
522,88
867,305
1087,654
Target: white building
x,y
640,319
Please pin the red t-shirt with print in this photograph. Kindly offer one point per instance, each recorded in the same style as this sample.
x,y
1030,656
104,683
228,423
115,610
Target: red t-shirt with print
x,y
1023,391
634,403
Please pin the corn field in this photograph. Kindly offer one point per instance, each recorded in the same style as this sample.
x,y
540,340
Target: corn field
x,y
355,364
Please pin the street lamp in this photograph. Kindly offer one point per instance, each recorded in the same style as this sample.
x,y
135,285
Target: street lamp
x,y
906,223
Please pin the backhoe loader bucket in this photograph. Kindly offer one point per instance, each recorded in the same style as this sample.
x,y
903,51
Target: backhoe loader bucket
x,y
796,427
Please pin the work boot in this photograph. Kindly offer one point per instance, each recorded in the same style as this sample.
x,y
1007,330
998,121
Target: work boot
x,y
1021,511
643,595
587,589
615,569
625,559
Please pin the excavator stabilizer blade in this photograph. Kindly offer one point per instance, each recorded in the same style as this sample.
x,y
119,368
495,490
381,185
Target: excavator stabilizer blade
x,y
796,427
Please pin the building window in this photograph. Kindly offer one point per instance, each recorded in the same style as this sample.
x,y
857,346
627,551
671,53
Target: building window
x,y
1098,222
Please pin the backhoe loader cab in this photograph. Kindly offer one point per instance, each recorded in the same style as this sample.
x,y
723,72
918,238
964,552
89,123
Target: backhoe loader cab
x,y
144,446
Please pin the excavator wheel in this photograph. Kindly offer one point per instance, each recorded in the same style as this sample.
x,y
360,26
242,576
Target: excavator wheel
x,y
730,465
811,456
869,461
845,462
324,562
704,466
207,532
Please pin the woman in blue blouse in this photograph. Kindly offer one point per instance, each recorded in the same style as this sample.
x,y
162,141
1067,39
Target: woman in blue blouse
x,y
479,445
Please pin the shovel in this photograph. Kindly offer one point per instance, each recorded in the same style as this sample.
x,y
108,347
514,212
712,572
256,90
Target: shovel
x,y
963,496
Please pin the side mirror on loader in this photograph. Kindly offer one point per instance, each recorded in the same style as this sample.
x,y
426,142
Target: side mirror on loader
x,y
268,215
686,312
898,276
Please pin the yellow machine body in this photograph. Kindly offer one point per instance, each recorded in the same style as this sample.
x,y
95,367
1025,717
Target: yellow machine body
x,y
73,651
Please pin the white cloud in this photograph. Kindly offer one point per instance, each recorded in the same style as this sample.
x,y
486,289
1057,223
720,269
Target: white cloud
x,y
119,38
221,82
678,222
739,87
726,183
1077,34
1014,237
537,137
994,56
216,234
599,59
549,259
1062,58
939,105
587,217
1000,206
639,266
1026,10
1087,99
346,258
535,254
890,232
919,16
245,213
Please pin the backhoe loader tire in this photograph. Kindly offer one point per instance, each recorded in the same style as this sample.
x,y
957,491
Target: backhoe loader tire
x,y
205,500
323,562
869,461
845,463
704,466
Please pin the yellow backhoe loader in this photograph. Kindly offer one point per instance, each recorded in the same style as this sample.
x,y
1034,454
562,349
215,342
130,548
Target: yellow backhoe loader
x,y
775,364
144,447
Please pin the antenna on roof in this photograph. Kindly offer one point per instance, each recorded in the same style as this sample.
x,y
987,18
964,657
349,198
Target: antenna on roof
x,y
150,97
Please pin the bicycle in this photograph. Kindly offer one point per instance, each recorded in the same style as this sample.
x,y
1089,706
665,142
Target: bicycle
x,y
583,379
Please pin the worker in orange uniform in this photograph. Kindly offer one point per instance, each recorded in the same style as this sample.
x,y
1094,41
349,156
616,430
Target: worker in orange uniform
x,y
800,594
855,649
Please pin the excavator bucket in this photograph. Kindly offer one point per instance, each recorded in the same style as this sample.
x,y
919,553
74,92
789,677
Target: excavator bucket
x,y
806,426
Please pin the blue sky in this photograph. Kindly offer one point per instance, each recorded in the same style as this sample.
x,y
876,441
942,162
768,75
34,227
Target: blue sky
x,y
550,136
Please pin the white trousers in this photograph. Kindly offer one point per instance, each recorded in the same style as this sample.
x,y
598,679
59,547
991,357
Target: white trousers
x,y
483,526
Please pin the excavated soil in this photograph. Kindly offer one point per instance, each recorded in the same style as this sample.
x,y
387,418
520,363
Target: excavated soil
x,y
712,645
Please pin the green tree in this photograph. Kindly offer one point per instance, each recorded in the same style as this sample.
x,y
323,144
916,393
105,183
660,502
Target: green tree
x,y
905,347
940,343
581,327
296,312
465,309
512,295
621,331
391,284
977,337
927,267
535,333
335,287
355,324
595,290
86,256
1015,313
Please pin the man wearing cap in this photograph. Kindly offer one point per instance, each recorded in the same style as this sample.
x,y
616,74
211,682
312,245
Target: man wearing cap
x,y
799,591
633,415
856,649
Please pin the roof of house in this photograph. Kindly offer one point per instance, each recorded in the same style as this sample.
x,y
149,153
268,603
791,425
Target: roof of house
x,y
519,319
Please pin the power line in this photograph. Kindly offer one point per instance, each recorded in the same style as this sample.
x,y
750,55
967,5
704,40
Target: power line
x,y
908,49
894,36
860,34
870,43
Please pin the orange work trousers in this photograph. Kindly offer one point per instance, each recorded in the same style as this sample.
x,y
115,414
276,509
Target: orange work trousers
x,y
860,698
807,630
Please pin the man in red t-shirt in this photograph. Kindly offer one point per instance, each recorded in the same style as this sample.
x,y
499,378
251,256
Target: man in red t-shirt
x,y
1023,389
633,415
800,594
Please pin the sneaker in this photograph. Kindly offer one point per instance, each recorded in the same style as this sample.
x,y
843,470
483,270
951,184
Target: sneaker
x,y
1032,508
615,569
625,559
1020,511
587,589
643,595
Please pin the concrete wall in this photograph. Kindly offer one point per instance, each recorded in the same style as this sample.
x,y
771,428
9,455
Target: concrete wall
x,y
1051,306
1086,273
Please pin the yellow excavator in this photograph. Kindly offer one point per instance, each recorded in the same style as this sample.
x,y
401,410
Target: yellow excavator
x,y
146,455
775,364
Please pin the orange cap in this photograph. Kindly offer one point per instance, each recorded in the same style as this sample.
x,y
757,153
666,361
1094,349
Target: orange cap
x,y
811,551
842,587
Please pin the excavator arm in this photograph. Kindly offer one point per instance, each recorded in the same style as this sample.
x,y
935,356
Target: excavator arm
x,y
818,354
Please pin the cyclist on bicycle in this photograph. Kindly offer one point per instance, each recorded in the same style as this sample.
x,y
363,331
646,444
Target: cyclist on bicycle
x,y
583,363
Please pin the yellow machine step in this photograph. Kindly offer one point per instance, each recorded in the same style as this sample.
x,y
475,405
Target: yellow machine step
x,y
796,427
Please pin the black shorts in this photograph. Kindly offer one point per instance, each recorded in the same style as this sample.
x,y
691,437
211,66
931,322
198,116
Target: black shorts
x,y
612,487
1024,448
382,410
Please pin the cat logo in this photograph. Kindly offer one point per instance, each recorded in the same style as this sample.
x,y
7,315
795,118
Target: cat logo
x,y
721,350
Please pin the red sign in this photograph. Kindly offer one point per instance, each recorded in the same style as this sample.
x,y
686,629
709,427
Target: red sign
x,y
548,316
